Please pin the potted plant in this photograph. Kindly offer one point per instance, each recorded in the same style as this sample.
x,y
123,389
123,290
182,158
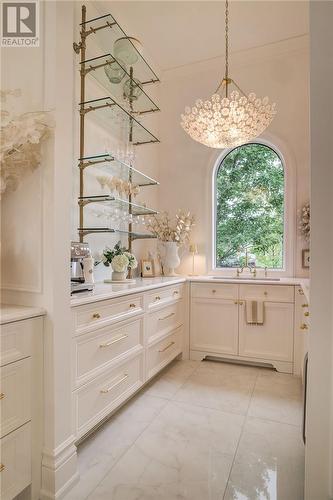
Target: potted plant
x,y
121,260
173,234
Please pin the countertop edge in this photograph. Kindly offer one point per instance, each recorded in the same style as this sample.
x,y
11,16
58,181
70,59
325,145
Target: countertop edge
x,y
19,314
79,301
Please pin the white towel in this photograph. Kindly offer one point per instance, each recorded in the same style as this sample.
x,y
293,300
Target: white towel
x,y
254,312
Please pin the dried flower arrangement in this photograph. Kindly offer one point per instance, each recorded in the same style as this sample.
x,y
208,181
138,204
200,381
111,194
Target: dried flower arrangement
x,y
177,230
20,143
304,223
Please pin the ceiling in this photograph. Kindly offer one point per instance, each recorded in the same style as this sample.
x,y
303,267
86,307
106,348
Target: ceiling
x,y
176,33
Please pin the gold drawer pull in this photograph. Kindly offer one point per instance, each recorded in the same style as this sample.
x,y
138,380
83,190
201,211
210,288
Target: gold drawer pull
x,y
2,395
96,316
157,297
305,305
105,391
166,317
300,291
132,305
304,327
2,467
265,293
167,347
240,302
176,292
307,314
213,291
236,302
114,341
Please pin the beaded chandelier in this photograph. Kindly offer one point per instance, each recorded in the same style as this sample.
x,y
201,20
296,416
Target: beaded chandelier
x,y
230,119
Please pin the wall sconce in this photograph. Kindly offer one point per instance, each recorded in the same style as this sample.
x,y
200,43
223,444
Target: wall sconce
x,y
193,249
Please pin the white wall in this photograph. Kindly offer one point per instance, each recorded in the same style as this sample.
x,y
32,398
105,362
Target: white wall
x,y
280,71
319,449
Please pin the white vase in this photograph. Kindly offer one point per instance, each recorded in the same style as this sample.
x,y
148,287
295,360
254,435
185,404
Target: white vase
x,y
119,276
171,257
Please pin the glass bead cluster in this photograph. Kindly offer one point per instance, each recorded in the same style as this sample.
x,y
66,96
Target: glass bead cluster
x,y
222,122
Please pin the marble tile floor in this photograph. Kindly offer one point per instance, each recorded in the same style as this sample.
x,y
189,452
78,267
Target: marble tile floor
x,y
200,431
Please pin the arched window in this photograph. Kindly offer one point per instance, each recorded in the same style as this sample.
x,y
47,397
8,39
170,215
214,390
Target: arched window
x,y
249,208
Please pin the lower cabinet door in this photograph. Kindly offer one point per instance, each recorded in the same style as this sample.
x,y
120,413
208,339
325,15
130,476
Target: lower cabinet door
x,y
95,400
274,339
15,474
162,352
214,325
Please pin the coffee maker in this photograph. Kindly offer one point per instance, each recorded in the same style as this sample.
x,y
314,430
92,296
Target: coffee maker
x,y
79,251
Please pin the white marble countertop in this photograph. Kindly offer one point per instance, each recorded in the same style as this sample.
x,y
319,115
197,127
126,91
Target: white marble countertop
x,y
10,313
105,291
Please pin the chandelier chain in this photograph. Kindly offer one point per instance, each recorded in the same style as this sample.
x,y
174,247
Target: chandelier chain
x,y
227,40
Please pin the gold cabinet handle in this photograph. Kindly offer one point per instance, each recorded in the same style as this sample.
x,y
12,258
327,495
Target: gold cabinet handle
x,y
108,389
96,316
304,327
266,293
236,302
300,291
305,305
306,313
167,347
176,292
166,317
157,297
214,291
114,341
132,305
240,302
2,467
2,395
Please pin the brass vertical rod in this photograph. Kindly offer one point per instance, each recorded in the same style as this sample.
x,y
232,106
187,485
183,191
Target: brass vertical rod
x,y
130,140
226,46
82,114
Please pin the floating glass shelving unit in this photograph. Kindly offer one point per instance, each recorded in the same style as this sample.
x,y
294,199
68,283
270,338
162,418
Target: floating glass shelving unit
x,y
98,230
141,102
119,203
113,166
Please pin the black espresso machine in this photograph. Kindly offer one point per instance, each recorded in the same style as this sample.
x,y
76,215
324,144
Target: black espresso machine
x,y
79,251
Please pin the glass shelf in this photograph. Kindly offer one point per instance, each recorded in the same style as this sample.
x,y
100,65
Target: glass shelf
x,y
100,230
121,90
109,110
112,165
104,31
117,202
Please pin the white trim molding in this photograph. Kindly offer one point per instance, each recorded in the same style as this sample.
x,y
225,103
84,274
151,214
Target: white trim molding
x,y
290,171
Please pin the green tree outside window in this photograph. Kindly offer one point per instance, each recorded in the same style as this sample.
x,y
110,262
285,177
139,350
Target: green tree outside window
x,y
250,208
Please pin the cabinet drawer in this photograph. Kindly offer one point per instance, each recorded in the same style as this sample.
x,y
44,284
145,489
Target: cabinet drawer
x,y
164,351
269,293
15,462
163,295
15,397
107,311
16,339
214,290
95,350
96,400
165,320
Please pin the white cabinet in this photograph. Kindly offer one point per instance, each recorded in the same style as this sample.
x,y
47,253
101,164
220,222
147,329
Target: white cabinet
x,y
218,325
20,407
274,339
214,325
119,344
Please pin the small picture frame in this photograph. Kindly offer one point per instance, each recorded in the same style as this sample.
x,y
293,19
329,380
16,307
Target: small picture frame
x,y
305,258
147,268
157,266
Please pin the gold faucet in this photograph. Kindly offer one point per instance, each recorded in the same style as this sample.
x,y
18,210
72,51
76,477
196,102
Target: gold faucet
x,y
252,269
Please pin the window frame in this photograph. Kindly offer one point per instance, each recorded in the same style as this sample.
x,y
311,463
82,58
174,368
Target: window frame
x,y
289,214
